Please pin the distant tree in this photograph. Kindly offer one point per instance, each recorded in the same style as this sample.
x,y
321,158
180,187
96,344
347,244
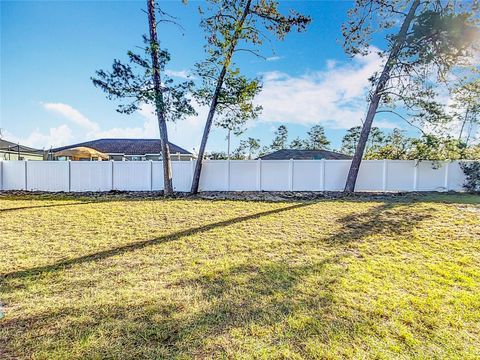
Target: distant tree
x,y
472,152
247,149
431,147
395,147
233,26
466,108
317,140
239,153
352,137
299,144
280,139
434,36
264,151
252,145
143,81
216,155
350,140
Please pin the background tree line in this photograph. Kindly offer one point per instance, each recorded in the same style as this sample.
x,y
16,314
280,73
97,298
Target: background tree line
x,y
392,145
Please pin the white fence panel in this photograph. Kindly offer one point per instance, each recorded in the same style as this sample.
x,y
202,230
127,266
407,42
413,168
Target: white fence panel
x,y
456,177
224,175
91,175
401,175
336,172
182,175
48,175
132,175
371,176
308,175
215,175
157,175
243,175
431,176
13,175
276,175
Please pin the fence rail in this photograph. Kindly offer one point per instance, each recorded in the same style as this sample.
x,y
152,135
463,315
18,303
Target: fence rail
x,y
234,175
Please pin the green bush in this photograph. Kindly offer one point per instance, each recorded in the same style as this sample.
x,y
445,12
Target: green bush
x,y
472,175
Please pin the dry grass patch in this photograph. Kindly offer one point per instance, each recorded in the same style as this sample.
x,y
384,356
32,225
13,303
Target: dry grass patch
x,y
87,279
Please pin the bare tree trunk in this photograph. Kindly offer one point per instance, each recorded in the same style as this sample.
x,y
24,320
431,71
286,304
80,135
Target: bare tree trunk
x,y
463,125
375,98
159,105
214,102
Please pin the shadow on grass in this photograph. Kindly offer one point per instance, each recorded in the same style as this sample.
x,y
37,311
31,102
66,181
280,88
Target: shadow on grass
x,y
260,302
142,244
256,307
49,206
390,218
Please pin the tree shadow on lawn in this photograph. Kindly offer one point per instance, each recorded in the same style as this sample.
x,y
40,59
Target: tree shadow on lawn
x,y
142,244
390,218
245,308
270,304
50,205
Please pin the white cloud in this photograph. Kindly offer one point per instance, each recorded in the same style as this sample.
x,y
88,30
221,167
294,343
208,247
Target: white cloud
x,y
335,97
331,64
148,130
56,136
183,74
185,133
273,58
385,124
72,114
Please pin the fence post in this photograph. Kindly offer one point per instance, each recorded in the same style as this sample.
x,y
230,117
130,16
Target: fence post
x,y
290,175
26,181
322,175
259,175
1,174
384,175
69,175
228,175
111,173
151,175
192,170
447,164
415,175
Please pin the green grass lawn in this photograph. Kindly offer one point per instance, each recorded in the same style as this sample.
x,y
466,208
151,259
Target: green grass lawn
x,y
180,279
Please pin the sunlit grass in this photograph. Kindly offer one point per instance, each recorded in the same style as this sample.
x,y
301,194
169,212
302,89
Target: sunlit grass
x,y
111,278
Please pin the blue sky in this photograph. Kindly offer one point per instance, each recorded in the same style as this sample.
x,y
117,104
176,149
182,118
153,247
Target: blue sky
x,y
50,49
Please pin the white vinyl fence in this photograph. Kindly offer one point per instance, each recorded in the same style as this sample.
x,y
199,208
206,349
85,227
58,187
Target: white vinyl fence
x,y
234,175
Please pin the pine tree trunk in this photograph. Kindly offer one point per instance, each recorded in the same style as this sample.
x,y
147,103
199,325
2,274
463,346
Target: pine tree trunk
x,y
375,98
159,105
463,125
214,102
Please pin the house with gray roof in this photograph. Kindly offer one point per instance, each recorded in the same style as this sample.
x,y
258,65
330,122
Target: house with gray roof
x,y
12,151
287,154
130,149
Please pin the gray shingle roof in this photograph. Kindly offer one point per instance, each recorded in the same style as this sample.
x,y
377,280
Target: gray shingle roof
x,y
287,154
10,146
126,146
